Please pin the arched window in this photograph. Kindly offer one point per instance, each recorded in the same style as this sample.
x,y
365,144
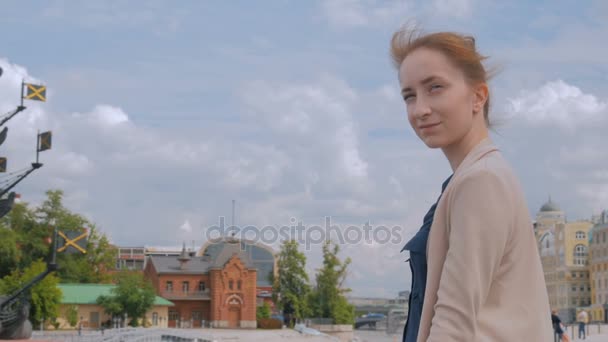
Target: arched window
x,y
580,255
547,244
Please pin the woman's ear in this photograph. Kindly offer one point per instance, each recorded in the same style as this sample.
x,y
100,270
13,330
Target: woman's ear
x,y
480,96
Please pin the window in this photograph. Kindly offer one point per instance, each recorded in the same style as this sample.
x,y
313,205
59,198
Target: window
x,y
574,288
580,255
604,237
185,287
173,315
573,274
196,316
580,235
231,284
238,285
155,318
201,286
169,286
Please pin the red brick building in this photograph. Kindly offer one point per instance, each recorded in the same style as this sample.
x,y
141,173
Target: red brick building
x,y
219,290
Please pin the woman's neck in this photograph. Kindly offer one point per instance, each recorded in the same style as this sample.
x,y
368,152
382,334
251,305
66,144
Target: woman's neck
x,y
456,152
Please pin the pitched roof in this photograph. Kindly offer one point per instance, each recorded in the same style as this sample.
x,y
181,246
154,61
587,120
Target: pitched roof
x,y
169,264
88,293
229,249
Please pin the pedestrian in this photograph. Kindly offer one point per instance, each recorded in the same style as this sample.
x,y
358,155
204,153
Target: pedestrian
x,y
582,318
557,326
475,264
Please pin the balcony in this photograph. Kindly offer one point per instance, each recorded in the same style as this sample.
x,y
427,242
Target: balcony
x,y
189,295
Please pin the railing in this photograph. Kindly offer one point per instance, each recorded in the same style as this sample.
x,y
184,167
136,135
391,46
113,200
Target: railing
x,y
591,329
125,334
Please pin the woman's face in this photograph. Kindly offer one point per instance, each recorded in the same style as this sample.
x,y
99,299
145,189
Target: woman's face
x,y
440,103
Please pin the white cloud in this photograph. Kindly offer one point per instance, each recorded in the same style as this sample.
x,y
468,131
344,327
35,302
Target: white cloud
x,y
315,122
186,227
109,115
558,103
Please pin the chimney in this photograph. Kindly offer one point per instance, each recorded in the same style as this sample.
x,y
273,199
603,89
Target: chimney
x,y
183,258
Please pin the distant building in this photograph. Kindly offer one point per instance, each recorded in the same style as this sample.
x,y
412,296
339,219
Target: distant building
x,y
263,258
599,268
564,252
134,258
131,258
83,297
380,305
219,286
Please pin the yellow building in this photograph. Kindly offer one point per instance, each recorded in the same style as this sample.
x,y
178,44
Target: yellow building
x,y
83,298
599,269
563,247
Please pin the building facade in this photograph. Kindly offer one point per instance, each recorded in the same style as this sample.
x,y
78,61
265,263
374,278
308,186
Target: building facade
x,y
83,298
218,289
599,268
564,252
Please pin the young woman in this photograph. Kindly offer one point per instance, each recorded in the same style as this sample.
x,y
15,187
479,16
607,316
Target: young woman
x,y
480,277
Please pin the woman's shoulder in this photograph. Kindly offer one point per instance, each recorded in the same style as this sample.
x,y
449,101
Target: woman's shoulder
x,y
492,169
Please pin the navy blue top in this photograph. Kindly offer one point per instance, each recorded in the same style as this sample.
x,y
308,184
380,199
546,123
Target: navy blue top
x,y
417,248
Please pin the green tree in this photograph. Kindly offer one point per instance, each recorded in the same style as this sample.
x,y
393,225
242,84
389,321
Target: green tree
x,y
291,286
327,298
45,296
9,253
92,267
27,235
263,311
72,315
133,296
31,231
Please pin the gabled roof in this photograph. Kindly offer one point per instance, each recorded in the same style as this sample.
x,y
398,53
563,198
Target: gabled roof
x,y
170,265
229,249
88,294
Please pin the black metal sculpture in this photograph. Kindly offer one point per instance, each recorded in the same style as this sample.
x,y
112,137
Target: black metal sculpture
x,y
15,308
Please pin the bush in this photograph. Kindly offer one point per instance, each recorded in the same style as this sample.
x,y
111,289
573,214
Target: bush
x,y
263,311
269,323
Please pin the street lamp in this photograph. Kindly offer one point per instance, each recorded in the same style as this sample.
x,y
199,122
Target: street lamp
x,y
0,71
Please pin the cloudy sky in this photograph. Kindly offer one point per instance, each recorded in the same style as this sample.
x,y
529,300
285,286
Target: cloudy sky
x,y
164,112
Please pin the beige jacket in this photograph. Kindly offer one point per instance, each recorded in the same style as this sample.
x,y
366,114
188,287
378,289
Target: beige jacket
x,y
485,281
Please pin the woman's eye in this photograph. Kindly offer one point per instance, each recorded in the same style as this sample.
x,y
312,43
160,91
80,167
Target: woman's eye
x,y
408,97
435,87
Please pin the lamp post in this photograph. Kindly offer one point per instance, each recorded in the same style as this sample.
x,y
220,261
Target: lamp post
x,y
0,71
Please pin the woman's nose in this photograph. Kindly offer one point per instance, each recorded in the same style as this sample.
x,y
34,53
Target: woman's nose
x,y
421,108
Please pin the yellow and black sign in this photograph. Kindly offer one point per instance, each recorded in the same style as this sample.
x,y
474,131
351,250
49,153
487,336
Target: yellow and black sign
x,y
2,164
72,242
35,92
45,141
